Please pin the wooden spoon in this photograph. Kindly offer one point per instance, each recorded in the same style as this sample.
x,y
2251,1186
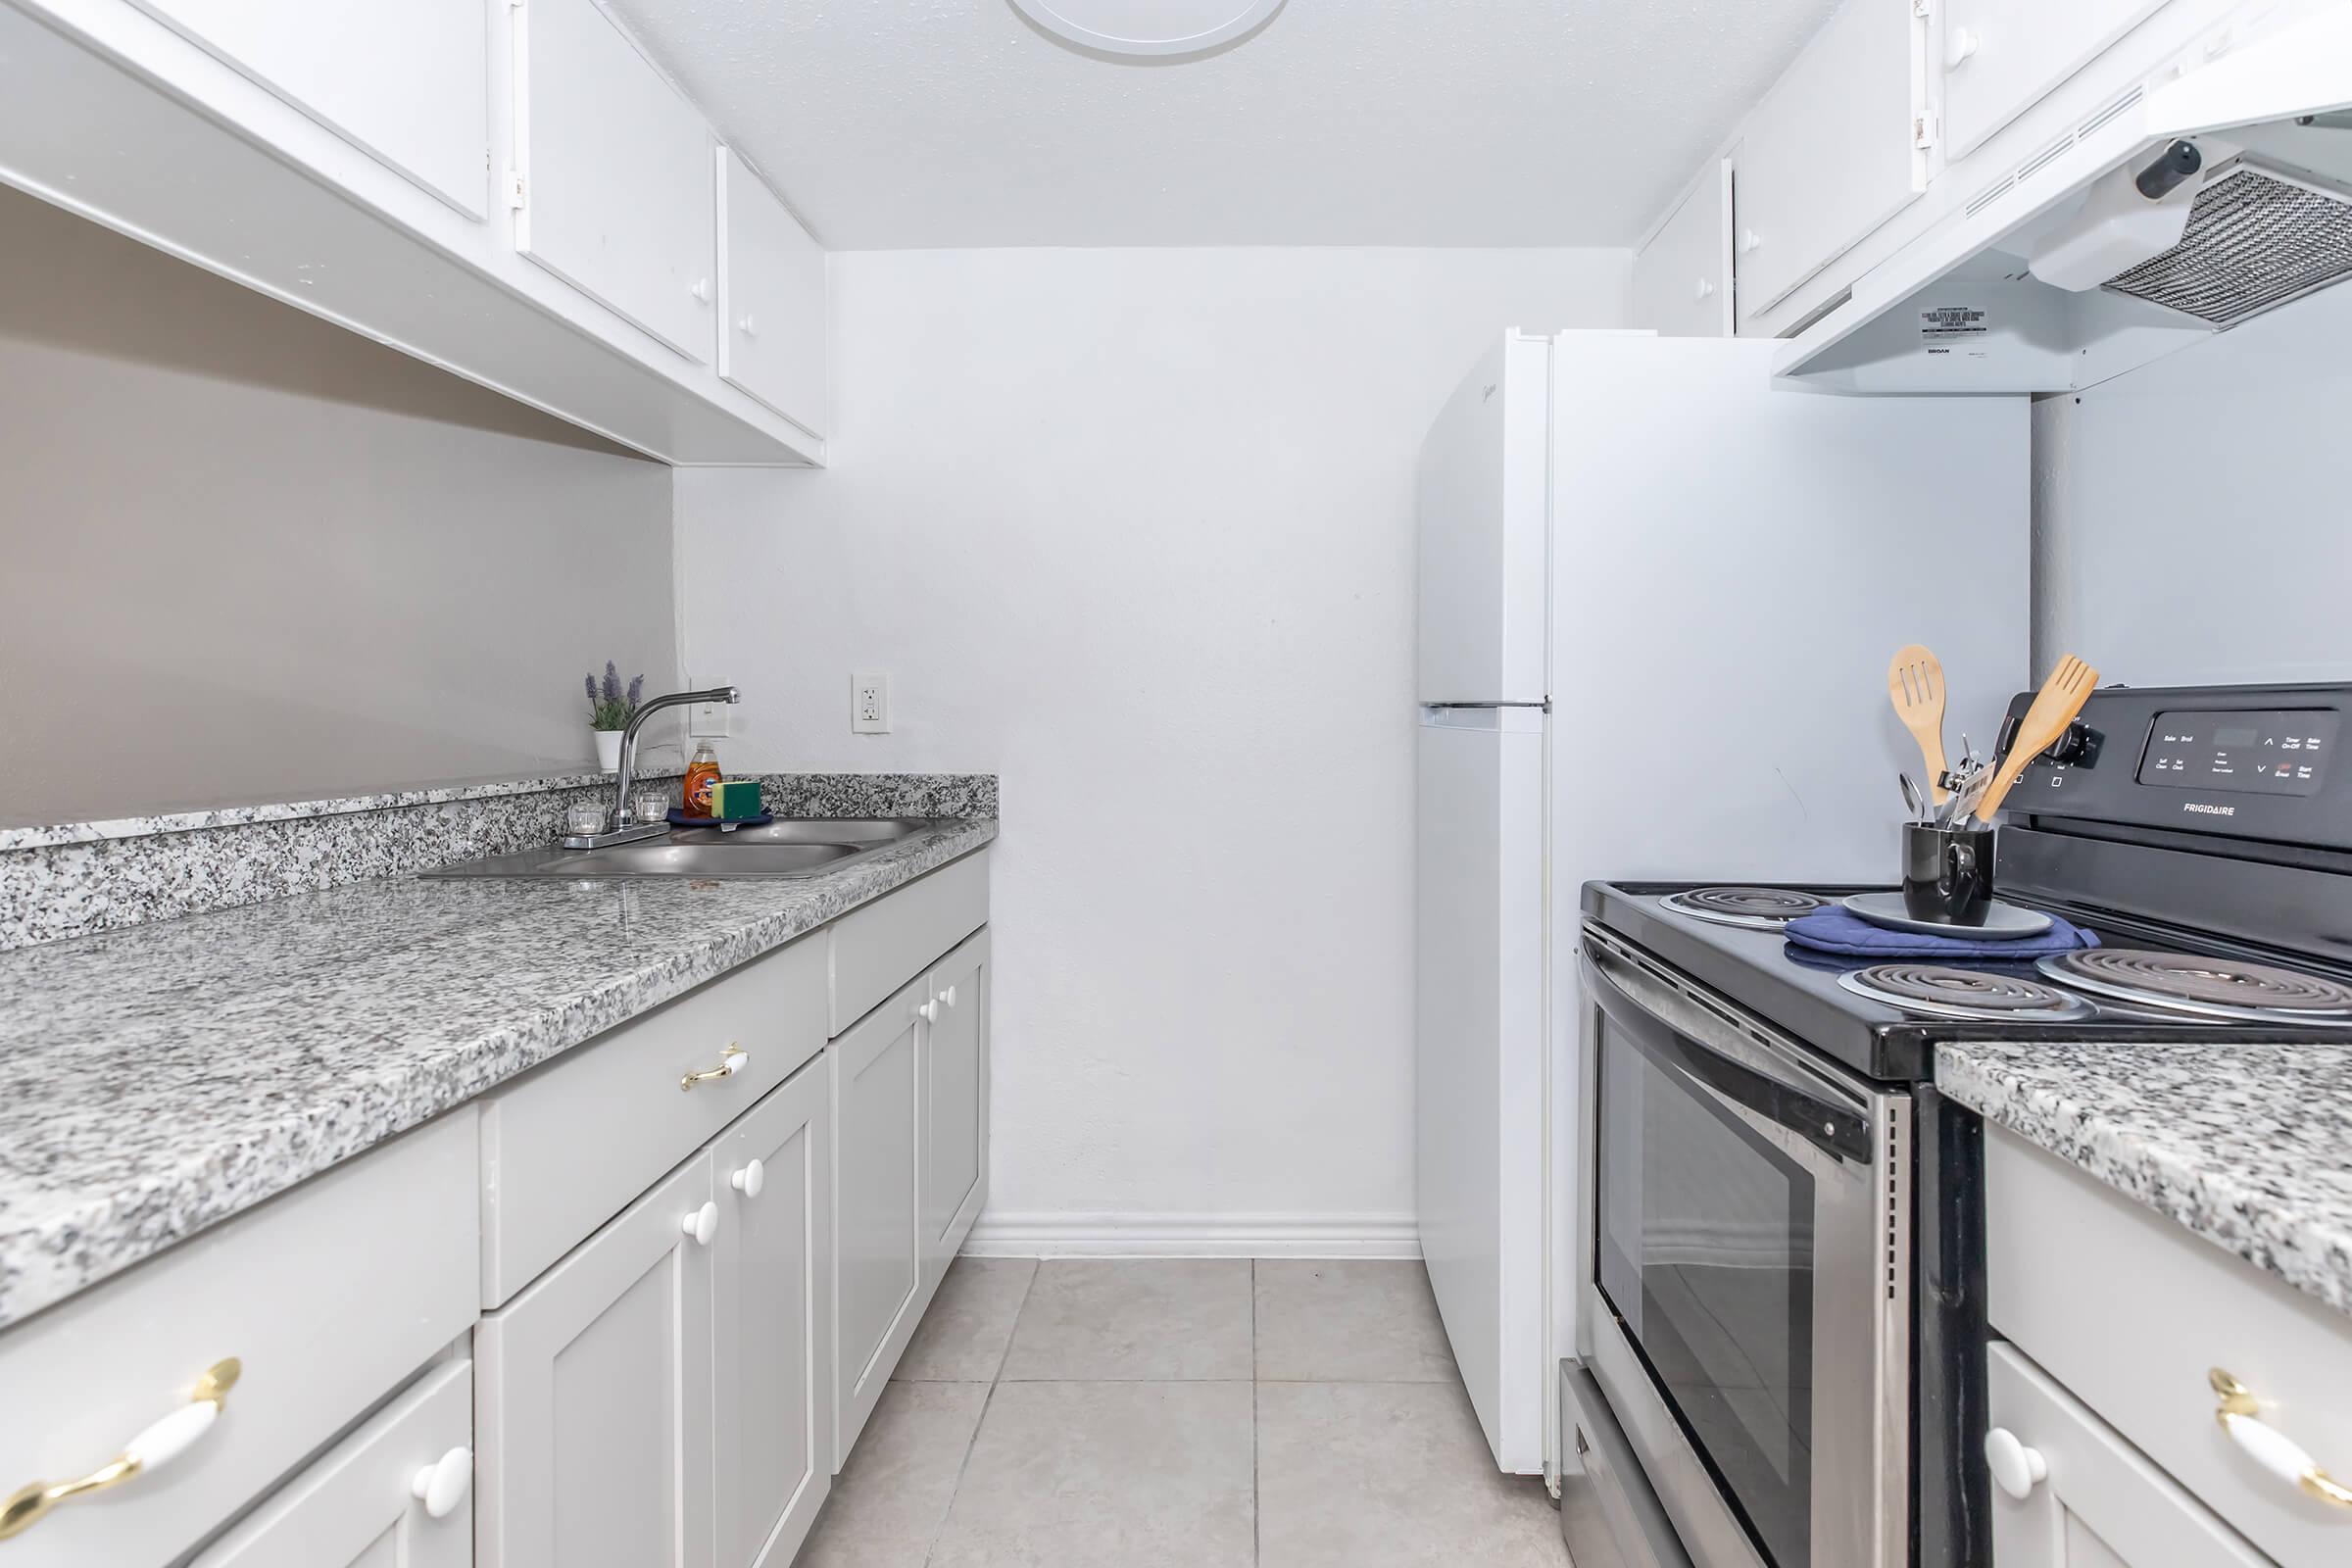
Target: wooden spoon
x,y
2054,708
1914,684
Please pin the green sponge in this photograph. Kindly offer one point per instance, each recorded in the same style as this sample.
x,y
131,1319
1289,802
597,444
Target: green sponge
x,y
734,800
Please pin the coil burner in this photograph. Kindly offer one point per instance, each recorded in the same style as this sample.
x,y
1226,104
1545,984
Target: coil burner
x,y
2204,986
1757,908
1943,992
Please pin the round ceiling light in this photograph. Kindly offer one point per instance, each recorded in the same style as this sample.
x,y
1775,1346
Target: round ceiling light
x,y
1147,27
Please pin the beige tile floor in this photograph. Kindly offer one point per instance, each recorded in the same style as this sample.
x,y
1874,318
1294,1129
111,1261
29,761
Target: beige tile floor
x,y
1085,1414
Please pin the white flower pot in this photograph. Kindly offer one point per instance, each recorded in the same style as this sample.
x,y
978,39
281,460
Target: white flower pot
x,y
607,749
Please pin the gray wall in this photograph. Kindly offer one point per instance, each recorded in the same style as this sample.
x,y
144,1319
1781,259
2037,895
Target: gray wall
x,y
2193,518
248,555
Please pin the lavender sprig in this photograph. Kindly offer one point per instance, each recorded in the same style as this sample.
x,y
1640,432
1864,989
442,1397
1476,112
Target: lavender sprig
x,y
610,705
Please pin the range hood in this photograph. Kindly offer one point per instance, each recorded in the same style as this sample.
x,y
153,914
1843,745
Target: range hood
x,y
2178,209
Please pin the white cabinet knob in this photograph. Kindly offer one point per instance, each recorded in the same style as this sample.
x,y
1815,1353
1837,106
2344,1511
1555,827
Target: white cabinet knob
x,y
2015,1468
928,1011
1750,241
749,327
702,1224
442,1484
1961,47
749,1180
700,290
1704,291
948,995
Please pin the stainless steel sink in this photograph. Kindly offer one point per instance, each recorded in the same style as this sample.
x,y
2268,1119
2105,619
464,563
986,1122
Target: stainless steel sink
x,y
780,848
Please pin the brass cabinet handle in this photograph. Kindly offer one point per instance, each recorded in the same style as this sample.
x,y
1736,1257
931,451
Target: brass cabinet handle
x,y
731,1062
2268,1446
158,1446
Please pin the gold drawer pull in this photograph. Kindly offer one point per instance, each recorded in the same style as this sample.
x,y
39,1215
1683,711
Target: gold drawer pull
x,y
2268,1446
151,1449
731,1062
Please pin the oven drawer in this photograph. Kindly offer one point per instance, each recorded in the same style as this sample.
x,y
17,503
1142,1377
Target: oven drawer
x,y
2132,1314
1609,1516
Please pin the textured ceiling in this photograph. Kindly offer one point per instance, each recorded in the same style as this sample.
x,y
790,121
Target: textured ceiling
x,y
910,124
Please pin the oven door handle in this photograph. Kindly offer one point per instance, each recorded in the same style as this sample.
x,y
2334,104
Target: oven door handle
x,y
1698,1046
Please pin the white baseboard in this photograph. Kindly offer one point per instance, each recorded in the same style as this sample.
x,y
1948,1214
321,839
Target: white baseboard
x,y
1045,1234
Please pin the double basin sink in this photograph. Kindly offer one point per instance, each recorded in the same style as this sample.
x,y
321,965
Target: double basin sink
x,y
776,849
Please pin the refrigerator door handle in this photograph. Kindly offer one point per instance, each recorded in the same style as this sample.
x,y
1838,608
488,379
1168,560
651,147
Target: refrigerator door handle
x,y
1545,705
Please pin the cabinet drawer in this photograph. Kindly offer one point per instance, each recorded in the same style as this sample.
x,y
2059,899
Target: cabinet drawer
x,y
328,1296
2131,1312
2098,1501
569,1145
881,946
358,1507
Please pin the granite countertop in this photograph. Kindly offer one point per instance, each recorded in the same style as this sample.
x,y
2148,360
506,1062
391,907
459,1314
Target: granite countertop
x,y
2249,1146
159,1079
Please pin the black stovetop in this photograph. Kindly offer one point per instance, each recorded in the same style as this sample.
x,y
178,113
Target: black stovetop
x,y
1797,989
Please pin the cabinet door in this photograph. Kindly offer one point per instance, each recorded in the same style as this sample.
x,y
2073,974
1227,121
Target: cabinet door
x,y
774,1358
771,299
618,196
408,83
358,1507
595,1418
1682,277
1831,151
2096,1502
877,1223
954,1092
2000,57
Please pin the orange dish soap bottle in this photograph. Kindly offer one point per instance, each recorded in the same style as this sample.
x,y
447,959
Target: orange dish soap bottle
x,y
701,775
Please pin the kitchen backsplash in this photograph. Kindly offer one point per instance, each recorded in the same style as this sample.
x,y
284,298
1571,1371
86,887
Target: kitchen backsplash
x,y
78,878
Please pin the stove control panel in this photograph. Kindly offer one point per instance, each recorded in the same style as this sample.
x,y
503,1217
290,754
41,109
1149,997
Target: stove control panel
x,y
2236,761
2262,752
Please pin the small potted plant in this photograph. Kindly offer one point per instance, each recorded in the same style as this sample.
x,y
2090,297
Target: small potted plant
x,y
609,709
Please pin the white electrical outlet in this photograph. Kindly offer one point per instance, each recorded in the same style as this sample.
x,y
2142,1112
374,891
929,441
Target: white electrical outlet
x,y
704,719
869,704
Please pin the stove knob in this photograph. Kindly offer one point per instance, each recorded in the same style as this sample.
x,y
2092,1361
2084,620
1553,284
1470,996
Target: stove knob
x,y
2078,746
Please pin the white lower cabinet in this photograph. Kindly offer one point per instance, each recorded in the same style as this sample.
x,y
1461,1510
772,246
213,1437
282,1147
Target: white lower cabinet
x,y
395,1493
595,1409
774,1396
2069,1493
877,1222
954,1100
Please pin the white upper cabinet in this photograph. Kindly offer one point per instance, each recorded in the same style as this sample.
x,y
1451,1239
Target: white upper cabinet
x,y
1682,277
617,188
408,83
772,296
1832,152
2001,56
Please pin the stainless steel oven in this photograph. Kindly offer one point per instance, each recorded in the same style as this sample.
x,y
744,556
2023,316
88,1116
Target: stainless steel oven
x,y
1748,1299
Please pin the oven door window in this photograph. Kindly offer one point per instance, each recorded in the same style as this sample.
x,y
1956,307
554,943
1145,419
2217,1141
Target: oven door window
x,y
1706,1252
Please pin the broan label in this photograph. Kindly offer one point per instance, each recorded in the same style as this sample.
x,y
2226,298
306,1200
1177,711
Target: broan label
x,y
1946,327
2202,809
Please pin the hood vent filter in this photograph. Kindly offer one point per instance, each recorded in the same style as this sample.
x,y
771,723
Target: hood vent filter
x,y
2255,239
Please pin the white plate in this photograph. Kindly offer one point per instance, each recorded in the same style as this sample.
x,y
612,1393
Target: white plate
x,y
2000,920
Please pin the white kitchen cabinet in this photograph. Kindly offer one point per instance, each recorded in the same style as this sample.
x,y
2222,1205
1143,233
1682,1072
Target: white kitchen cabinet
x,y
2069,1493
595,1414
409,85
1682,277
774,1396
395,1493
771,299
954,1097
617,188
1832,152
2000,57
877,1220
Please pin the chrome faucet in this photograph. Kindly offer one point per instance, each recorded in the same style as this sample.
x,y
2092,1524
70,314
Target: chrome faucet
x,y
623,828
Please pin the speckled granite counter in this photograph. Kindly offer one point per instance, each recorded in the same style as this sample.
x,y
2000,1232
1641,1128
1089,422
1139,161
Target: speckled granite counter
x,y
2249,1146
158,1079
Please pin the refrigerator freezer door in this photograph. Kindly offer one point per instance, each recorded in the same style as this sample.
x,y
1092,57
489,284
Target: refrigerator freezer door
x,y
1483,526
1479,1045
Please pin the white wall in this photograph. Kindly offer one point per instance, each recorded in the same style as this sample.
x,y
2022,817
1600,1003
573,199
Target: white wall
x,y
2191,521
248,555
1134,529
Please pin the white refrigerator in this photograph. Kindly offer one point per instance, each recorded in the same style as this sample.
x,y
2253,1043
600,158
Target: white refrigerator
x,y
1657,597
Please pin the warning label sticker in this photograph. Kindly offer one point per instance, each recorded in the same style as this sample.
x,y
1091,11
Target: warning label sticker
x,y
1944,328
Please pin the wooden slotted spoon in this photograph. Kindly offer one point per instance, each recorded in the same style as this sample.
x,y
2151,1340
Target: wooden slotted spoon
x,y
1915,685
2054,708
